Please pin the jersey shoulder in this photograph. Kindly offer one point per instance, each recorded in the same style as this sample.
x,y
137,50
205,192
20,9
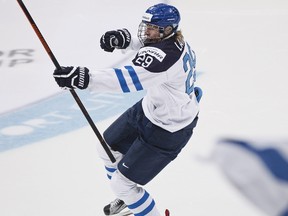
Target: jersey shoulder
x,y
159,57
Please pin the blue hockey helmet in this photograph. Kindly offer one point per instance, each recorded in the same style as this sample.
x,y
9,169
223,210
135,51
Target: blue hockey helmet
x,y
161,16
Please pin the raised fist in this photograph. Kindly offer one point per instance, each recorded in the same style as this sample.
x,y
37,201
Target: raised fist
x,y
119,39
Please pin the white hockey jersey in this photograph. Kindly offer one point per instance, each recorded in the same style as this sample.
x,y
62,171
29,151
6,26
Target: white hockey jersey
x,y
167,71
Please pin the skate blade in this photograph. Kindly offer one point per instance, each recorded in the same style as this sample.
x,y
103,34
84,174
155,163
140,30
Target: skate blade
x,y
124,212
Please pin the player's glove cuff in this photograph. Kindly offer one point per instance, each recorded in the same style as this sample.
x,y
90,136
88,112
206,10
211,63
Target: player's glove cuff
x,y
72,77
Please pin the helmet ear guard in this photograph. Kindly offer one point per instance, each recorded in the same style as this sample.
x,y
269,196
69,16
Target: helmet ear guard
x,y
168,30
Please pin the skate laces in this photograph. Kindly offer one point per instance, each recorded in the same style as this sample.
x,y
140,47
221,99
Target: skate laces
x,y
116,202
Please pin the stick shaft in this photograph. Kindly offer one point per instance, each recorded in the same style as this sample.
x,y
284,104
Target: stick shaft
x,y
74,94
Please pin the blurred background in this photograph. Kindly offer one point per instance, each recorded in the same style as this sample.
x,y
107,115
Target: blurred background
x,y
237,160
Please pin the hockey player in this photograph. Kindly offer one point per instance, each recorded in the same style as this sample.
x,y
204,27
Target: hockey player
x,y
150,134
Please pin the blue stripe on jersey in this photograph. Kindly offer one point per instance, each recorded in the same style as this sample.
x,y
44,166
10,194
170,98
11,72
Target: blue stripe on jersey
x,y
134,77
139,202
122,80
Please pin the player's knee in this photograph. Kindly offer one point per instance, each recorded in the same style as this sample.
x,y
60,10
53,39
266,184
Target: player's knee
x,y
120,185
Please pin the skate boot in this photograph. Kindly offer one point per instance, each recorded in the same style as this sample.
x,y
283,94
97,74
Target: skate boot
x,y
116,208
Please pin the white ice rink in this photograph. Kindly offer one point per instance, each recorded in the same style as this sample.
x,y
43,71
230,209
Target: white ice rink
x,y
48,160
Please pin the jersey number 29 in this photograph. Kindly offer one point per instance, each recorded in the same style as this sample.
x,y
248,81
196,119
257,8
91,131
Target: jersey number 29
x,y
189,61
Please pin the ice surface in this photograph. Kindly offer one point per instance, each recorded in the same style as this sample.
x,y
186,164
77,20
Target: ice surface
x,y
241,49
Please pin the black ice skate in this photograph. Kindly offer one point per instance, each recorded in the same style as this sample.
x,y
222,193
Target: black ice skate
x,y
117,208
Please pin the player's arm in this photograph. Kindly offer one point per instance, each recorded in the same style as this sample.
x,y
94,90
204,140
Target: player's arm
x,y
146,70
125,79
129,78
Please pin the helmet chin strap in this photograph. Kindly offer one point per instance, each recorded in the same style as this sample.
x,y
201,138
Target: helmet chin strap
x,y
163,36
167,33
169,36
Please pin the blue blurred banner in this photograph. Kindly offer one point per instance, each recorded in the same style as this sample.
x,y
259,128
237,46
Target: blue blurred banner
x,y
259,170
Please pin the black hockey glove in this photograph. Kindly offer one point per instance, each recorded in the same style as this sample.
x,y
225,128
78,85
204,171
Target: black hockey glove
x,y
119,39
72,77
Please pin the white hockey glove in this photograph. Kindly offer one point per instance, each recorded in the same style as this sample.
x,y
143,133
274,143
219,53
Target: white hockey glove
x,y
119,39
72,77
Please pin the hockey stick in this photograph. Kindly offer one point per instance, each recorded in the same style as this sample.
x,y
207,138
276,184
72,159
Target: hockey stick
x,y
75,96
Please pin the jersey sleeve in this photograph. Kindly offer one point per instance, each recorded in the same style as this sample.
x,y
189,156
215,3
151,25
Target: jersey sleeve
x,y
134,45
129,78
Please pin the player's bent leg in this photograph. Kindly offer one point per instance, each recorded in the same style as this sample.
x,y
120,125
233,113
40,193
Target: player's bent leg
x,y
121,133
109,166
136,198
117,136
